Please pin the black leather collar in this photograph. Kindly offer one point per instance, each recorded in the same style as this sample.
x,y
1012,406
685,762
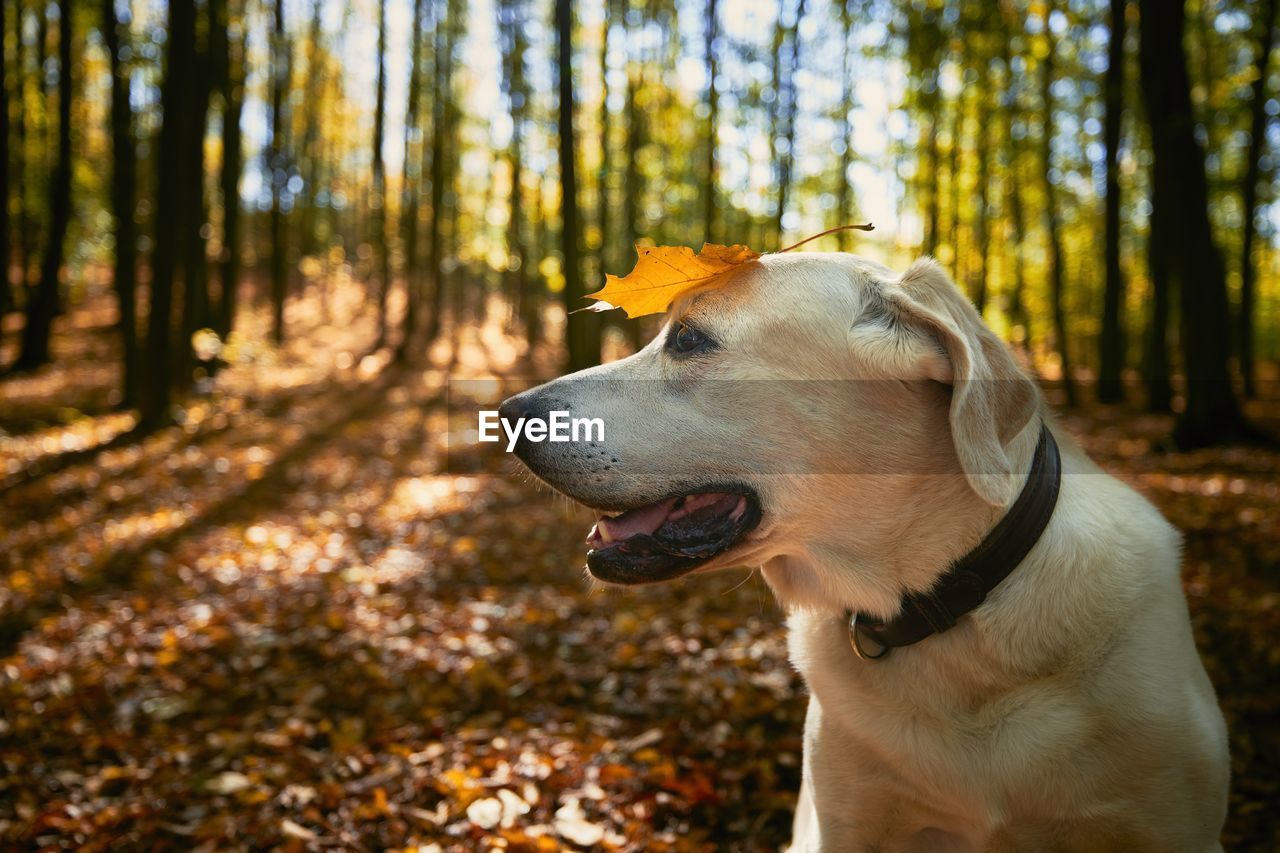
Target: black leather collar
x,y
966,584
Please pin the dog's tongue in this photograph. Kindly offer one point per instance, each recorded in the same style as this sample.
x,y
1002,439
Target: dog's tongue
x,y
645,519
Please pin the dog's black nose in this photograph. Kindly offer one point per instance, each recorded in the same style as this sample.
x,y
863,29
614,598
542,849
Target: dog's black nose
x,y
523,406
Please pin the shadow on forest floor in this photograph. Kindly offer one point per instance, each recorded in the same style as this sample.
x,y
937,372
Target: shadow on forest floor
x,y
286,622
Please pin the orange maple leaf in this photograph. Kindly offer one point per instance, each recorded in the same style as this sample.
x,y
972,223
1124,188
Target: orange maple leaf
x,y
663,274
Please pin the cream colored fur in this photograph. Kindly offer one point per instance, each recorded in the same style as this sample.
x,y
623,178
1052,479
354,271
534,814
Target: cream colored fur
x,y
1069,712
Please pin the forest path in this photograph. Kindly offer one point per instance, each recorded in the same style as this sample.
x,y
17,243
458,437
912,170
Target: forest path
x,y
315,618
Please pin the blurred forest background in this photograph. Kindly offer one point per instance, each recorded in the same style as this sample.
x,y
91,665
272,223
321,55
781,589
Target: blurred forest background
x,y
247,243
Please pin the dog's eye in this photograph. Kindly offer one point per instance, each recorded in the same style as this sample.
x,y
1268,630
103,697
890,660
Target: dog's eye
x,y
686,339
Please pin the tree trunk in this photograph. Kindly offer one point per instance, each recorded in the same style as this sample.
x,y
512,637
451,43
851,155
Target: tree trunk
x,y
31,171
312,103
195,263
1253,167
633,183
44,303
36,165
378,202
844,190
278,175
606,164
709,218
953,165
786,106
409,188
232,82
1212,414
6,293
925,43
421,172
168,213
1111,344
981,226
124,203
517,276
583,328
1053,224
932,215
441,137
1019,319
18,160
535,285
1155,357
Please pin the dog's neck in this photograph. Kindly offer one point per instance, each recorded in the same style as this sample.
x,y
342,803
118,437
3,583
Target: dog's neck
x,y
867,562
984,653
967,582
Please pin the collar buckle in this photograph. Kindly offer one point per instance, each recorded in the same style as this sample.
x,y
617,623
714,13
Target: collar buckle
x,y
856,640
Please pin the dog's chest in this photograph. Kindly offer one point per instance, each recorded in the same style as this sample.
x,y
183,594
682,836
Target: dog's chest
x,y
941,732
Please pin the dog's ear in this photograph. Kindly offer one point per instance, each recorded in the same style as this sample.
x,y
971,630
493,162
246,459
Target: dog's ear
x,y
992,400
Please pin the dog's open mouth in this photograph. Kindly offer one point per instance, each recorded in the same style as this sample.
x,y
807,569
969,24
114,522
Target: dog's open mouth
x,y
670,538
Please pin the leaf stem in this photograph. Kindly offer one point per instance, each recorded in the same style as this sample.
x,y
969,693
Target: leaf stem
x,y
867,227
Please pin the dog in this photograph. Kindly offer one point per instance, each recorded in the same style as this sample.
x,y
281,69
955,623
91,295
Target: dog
x,y
858,435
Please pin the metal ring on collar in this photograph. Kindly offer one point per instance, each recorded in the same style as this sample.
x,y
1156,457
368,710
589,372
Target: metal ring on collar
x,y
855,640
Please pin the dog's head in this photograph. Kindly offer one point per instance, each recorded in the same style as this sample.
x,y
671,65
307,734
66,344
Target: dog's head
x,y
814,404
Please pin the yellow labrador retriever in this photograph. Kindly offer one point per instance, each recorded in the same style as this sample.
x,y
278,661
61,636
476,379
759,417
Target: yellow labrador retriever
x,y
992,629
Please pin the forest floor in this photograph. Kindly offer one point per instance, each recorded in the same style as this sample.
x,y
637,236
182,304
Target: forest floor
x,y
308,616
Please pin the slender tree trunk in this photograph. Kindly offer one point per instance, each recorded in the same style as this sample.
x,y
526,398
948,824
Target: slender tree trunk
x,y
462,278
953,165
582,327
1053,224
45,301
1249,192
420,205
6,256
232,163
930,177
925,53
18,160
31,167
124,202
195,262
379,201
844,189
1205,70
532,300
409,189
279,175
981,214
517,276
1111,344
633,184
773,240
606,163
168,212
312,104
1212,414
1019,318
1155,357
787,98
709,215
37,161
441,137
932,215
